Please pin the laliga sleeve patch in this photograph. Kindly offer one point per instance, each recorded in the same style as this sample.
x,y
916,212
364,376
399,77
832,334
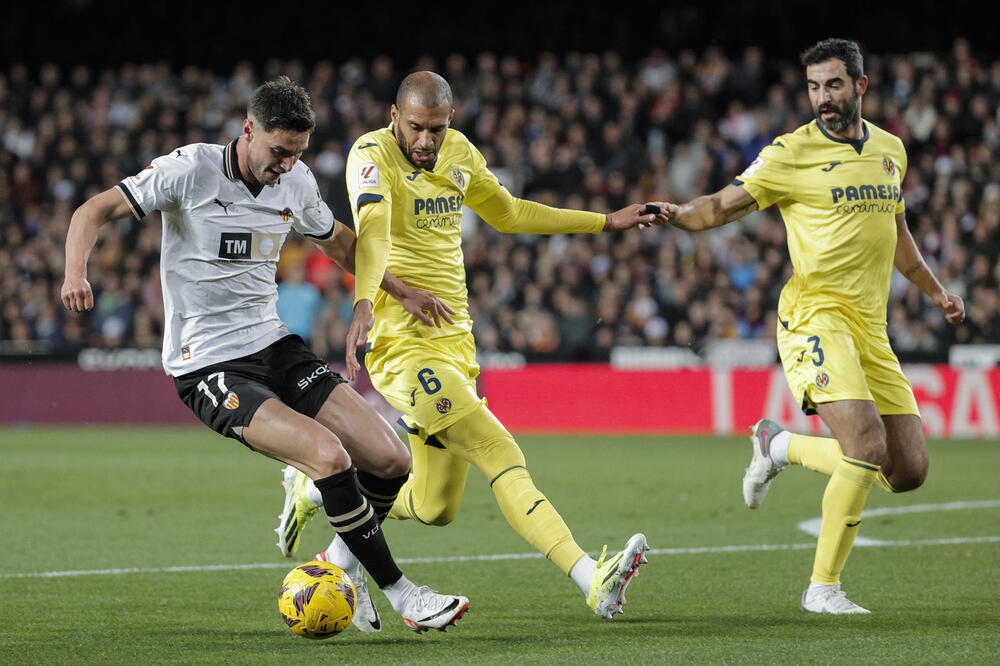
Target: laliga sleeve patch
x,y
368,175
752,168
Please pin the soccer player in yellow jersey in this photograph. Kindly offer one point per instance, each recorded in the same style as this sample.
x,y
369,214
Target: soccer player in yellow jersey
x,y
408,183
837,182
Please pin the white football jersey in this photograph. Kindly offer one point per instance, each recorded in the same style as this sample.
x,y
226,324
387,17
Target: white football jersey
x,y
219,252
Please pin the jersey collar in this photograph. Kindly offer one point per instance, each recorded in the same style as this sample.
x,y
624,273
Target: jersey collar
x,y
231,167
857,144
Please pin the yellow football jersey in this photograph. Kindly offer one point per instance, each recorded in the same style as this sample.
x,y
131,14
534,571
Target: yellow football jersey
x,y
839,201
425,225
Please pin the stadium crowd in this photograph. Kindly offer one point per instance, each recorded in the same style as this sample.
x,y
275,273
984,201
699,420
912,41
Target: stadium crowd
x,y
583,130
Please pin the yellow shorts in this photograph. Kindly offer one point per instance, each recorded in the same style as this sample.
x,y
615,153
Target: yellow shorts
x,y
829,358
432,381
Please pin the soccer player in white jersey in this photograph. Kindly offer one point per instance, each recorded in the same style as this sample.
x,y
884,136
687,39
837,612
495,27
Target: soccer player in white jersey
x,y
408,183
838,184
226,212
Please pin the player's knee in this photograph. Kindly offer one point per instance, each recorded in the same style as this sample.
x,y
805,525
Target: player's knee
x,y
389,468
906,484
497,453
444,517
438,515
431,508
908,478
907,469
398,466
328,457
393,461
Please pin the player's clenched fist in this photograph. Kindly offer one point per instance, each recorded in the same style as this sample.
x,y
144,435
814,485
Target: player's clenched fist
x,y
953,306
77,295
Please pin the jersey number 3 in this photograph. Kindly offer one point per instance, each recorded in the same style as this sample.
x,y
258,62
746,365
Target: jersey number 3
x,y
817,350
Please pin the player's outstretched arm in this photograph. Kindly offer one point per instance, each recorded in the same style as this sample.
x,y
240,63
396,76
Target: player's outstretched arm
x,y
511,215
709,211
420,303
83,228
911,264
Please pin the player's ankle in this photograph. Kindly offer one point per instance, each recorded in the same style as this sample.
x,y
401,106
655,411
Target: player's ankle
x,y
397,593
778,449
582,572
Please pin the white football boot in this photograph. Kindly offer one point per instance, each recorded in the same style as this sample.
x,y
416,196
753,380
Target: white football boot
x,y
296,512
426,609
612,576
366,617
761,470
830,599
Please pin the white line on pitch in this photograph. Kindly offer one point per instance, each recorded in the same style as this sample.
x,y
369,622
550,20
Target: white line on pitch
x,y
811,526
496,557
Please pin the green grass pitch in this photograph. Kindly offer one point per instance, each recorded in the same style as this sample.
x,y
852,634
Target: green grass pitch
x,y
167,535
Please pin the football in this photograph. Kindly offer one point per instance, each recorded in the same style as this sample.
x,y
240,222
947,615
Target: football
x,y
317,600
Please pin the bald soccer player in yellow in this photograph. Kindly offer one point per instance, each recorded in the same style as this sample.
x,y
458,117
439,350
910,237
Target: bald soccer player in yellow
x,y
837,182
408,183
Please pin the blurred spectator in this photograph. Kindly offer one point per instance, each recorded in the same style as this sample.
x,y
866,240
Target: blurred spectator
x,y
298,300
581,131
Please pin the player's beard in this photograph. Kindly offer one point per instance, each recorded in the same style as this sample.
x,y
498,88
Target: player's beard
x,y
408,151
847,114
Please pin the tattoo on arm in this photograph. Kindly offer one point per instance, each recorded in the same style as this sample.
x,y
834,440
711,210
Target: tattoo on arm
x,y
908,273
741,211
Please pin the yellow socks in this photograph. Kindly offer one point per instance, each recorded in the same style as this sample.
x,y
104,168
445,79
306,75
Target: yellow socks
x,y
823,454
843,500
535,519
820,454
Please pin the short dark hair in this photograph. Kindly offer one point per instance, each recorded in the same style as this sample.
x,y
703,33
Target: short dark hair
x,y
282,104
845,50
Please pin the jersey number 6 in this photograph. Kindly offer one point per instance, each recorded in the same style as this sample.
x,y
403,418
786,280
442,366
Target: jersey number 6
x,y
428,381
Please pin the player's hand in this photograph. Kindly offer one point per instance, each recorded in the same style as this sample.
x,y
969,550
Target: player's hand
x,y
77,295
953,306
357,336
668,211
631,216
426,307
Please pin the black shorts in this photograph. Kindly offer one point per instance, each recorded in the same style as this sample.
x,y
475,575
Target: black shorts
x,y
226,395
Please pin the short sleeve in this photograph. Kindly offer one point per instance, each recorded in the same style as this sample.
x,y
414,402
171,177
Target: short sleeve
x,y
769,178
161,185
317,218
